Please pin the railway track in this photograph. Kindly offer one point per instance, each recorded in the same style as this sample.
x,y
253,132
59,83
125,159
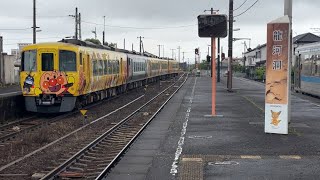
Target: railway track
x,y
10,131
23,165
95,160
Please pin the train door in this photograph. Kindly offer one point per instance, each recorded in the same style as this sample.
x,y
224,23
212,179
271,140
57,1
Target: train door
x,y
87,71
297,72
129,68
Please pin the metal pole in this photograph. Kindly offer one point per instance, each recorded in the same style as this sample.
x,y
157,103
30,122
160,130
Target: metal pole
x,y
104,29
179,55
34,23
163,51
288,11
230,45
213,73
1,60
172,52
124,43
159,50
76,20
80,26
218,72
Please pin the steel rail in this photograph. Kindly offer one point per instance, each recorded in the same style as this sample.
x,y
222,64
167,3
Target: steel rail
x,y
65,136
111,164
55,172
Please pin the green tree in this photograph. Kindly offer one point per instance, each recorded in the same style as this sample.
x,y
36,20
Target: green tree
x,y
260,71
95,41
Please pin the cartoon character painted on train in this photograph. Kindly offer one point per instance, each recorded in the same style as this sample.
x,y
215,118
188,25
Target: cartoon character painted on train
x,y
55,82
28,83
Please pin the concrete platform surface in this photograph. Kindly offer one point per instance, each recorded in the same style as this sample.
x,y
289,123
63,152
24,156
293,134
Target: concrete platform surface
x,y
12,90
183,143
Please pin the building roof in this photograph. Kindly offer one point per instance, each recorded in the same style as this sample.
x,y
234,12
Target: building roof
x,y
306,38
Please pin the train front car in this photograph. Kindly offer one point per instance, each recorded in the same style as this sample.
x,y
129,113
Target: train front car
x,y
49,77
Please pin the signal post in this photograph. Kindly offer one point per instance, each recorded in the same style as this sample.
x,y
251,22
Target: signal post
x,y
213,26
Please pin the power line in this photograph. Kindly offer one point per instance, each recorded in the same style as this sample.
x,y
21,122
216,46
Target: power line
x,y
247,9
31,38
9,29
131,27
240,5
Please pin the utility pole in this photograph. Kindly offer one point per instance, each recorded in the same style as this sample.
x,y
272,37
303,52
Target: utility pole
x,y
132,47
1,60
34,23
79,22
230,45
124,43
104,29
140,42
76,20
183,56
172,52
179,48
95,33
218,72
159,49
288,11
163,51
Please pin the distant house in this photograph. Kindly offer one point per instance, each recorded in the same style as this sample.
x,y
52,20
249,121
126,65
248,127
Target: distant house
x,y
305,38
257,57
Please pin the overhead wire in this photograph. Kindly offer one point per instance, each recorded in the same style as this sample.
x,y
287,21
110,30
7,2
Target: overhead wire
x,y
12,29
246,9
131,27
240,5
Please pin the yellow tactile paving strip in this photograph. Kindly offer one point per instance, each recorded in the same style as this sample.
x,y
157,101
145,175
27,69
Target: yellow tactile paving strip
x,y
191,166
191,169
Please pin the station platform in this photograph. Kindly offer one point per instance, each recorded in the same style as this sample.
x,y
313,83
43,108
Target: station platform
x,y
183,143
12,90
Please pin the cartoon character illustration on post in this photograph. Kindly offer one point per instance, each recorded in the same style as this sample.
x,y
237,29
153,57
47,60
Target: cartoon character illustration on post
x,y
275,115
55,82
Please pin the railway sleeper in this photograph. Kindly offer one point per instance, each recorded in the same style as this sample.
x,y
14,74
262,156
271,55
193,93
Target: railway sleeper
x,y
78,164
76,169
89,157
84,160
104,161
91,153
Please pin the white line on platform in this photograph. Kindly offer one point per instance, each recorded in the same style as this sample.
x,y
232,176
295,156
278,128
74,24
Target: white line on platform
x,y
174,167
4,94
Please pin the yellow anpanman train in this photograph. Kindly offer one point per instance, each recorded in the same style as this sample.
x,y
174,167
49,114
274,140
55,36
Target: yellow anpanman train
x,y
57,77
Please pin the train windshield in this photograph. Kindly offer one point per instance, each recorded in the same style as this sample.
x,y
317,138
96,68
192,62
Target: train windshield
x,y
29,60
67,61
47,61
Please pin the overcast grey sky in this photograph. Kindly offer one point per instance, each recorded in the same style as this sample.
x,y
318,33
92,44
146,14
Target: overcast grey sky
x,y
171,23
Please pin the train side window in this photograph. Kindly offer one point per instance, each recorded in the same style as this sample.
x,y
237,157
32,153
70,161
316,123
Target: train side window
x,y
94,67
100,66
105,70
47,61
81,60
67,61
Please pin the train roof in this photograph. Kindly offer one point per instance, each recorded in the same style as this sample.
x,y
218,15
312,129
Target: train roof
x,y
97,46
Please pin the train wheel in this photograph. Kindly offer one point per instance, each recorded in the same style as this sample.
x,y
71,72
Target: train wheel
x,y
78,105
